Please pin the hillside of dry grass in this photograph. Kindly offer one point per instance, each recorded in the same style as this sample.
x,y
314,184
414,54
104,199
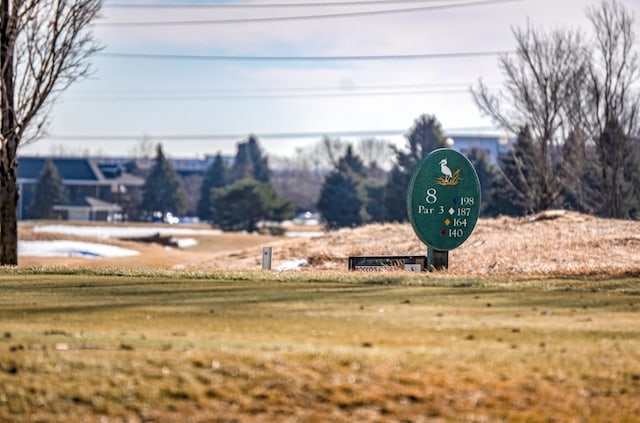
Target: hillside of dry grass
x,y
551,243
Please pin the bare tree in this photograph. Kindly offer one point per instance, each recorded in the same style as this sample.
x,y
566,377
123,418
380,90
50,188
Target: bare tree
x,y
329,151
375,151
299,178
377,156
540,81
45,46
611,115
144,148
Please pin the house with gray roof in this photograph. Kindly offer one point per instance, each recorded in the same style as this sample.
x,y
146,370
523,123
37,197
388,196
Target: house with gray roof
x,y
95,191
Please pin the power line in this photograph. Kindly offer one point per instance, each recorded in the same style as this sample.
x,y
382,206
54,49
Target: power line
x,y
271,96
236,136
240,90
303,17
219,58
280,91
262,5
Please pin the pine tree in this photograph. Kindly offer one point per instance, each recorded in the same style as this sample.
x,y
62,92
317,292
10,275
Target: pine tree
x,y
487,173
48,191
259,161
374,203
395,195
242,165
250,162
578,176
245,203
425,136
216,176
353,163
162,190
618,164
517,191
339,202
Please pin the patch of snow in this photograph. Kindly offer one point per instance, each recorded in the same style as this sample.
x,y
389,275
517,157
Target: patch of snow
x,y
185,242
63,248
304,234
292,264
117,231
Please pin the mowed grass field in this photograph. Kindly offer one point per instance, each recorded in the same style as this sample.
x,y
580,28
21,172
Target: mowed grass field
x,y
311,346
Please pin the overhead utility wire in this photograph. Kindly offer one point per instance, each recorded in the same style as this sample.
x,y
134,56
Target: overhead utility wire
x,y
304,17
282,135
218,58
268,96
262,5
281,89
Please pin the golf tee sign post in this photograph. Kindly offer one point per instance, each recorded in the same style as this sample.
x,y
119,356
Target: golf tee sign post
x,y
443,203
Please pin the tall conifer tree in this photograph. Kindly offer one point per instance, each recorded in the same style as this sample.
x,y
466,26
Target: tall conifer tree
x,y
425,136
48,192
162,190
216,176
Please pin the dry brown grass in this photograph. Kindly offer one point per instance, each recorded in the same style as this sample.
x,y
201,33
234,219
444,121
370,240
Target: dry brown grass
x,y
76,348
184,335
553,243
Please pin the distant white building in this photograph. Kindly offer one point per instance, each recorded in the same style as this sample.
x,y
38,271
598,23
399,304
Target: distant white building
x,y
494,145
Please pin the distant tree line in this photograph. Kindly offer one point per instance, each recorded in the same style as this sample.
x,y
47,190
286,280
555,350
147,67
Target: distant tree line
x,y
241,196
573,103
570,104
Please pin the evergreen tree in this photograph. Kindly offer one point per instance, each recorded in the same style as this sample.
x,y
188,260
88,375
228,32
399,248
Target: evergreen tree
x,y
517,190
349,196
374,201
48,191
162,191
425,136
618,164
242,167
395,195
244,204
631,184
353,163
250,162
339,202
613,105
215,176
578,176
487,173
260,162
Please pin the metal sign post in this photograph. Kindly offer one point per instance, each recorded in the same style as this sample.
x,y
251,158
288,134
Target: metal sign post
x,y
267,254
443,203
437,259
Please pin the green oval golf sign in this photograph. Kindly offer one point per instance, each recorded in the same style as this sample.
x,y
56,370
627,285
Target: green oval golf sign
x,y
443,199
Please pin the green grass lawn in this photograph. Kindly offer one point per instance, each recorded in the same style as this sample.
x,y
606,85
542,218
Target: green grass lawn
x,y
316,347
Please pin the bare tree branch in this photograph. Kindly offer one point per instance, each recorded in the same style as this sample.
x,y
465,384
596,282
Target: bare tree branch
x,y
45,46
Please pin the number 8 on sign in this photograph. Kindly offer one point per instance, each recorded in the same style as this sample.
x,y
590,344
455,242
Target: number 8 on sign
x,y
443,199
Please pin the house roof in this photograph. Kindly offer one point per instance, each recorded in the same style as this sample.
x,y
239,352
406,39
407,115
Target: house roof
x,y
71,168
83,170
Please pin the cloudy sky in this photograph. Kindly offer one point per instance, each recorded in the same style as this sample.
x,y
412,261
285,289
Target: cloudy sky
x,y
199,76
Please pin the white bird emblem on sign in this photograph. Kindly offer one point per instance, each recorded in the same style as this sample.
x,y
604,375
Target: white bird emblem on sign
x,y
445,169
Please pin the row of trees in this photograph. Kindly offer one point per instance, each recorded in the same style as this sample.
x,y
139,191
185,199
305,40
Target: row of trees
x,y
572,104
235,197
354,193
574,107
241,196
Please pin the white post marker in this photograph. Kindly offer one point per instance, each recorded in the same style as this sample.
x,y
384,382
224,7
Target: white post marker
x,y
267,253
